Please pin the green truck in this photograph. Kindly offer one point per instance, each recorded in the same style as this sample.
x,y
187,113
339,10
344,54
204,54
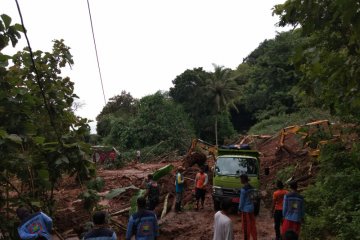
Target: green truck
x,y
230,164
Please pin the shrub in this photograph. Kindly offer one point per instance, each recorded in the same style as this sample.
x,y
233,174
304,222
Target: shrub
x,y
333,203
96,184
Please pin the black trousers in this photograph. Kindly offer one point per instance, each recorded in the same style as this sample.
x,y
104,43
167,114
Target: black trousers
x,y
151,204
278,217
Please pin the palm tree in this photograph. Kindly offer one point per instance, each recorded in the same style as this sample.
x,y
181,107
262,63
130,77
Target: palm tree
x,y
223,89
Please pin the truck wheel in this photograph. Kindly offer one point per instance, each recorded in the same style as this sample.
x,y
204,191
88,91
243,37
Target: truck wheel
x,y
257,208
216,205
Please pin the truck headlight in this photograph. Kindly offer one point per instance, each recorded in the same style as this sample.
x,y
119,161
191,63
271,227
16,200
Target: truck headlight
x,y
217,191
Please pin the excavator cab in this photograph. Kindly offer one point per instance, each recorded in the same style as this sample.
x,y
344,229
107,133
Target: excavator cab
x,y
198,153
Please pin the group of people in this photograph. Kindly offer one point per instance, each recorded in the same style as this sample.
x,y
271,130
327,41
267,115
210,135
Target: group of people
x,y
143,224
201,181
288,212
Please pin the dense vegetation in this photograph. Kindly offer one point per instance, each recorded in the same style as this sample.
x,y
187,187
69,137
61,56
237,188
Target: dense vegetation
x,y
154,121
37,154
329,64
332,204
304,74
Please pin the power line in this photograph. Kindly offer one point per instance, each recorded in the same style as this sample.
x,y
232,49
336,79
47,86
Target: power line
x,y
96,52
37,78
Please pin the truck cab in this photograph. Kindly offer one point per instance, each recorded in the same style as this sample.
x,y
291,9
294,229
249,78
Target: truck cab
x,y
230,165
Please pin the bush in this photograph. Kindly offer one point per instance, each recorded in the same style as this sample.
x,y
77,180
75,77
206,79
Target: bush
x,y
286,173
96,184
333,203
90,199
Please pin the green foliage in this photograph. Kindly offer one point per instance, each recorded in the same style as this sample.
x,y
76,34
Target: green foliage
x,y
206,97
116,192
223,90
90,199
123,105
276,123
96,184
286,173
329,60
188,91
40,136
133,201
162,172
158,120
268,77
332,204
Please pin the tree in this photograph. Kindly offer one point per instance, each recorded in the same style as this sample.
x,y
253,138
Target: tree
x,y
158,120
123,105
330,59
188,90
40,136
269,78
222,88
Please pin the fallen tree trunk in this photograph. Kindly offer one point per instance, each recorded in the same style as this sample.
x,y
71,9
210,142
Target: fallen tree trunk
x,y
165,206
125,210
58,235
119,224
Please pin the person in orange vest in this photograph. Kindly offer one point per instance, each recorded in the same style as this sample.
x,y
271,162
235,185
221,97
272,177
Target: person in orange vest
x,y
246,208
278,199
201,180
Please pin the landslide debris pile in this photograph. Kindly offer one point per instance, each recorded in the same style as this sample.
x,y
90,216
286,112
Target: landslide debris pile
x,y
294,163
71,219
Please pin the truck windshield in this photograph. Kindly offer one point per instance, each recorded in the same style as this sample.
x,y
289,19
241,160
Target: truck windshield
x,y
236,166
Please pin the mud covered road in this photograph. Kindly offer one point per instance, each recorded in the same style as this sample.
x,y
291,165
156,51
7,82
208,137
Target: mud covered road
x,y
189,224
199,224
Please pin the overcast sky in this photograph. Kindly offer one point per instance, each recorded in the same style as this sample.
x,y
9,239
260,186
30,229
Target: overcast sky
x,y
144,44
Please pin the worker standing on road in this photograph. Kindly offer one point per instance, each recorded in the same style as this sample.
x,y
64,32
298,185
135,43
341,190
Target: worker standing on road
x,y
138,156
100,231
179,188
152,193
143,224
34,226
278,200
201,180
223,228
246,207
293,210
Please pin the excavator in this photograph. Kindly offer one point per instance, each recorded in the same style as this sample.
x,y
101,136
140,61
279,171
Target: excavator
x,y
199,157
314,135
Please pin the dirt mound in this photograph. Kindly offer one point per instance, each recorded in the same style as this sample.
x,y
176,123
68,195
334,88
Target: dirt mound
x,y
293,157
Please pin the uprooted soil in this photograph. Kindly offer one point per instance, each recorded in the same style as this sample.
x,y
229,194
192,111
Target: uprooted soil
x,y
71,217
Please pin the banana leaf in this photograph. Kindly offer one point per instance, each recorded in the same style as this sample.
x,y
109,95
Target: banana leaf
x,y
116,192
162,172
133,200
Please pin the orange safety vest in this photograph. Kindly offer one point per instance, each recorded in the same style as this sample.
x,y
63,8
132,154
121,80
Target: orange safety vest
x,y
278,198
200,180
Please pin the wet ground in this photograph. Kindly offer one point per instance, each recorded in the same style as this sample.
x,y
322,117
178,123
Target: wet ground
x,y
189,224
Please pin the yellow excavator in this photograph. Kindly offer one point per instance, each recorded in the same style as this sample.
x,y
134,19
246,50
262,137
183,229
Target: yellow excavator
x,y
198,153
314,135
